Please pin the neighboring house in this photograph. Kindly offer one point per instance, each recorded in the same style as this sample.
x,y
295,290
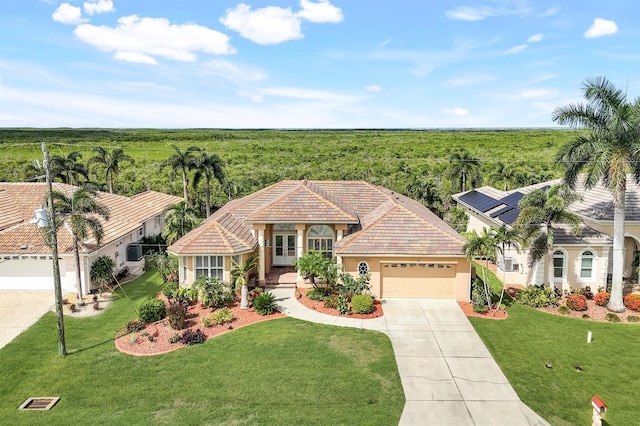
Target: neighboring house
x,y
408,250
579,260
25,258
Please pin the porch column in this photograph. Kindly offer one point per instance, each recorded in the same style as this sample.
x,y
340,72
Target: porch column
x,y
261,270
300,228
340,228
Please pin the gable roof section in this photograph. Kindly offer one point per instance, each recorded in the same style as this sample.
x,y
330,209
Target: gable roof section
x,y
224,235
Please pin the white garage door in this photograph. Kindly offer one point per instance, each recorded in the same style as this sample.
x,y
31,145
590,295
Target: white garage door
x,y
419,280
28,273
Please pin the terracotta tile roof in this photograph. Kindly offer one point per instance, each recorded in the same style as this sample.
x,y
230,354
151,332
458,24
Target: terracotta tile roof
x,y
390,223
126,215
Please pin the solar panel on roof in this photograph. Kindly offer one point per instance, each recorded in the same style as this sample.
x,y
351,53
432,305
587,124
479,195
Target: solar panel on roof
x,y
513,199
510,217
501,211
479,201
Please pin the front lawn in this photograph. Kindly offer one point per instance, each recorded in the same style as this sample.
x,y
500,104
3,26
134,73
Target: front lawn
x,y
529,339
283,371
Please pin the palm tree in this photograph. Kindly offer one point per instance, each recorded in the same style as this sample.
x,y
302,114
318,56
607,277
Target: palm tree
x,y
425,189
181,161
178,220
506,175
464,169
505,237
481,246
111,161
68,169
239,274
606,152
210,167
81,211
540,210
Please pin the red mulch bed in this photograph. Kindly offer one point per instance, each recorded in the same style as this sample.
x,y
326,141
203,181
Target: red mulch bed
x,y
319,306
138,345
595,312
467,308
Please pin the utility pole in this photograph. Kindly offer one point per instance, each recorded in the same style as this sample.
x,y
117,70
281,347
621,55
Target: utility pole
x,y
62,348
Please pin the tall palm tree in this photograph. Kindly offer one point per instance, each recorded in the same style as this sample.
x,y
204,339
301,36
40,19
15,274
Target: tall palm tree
x,y
239,274
81,212
183,162
482,246
179,219
209,166
505,237
464,169
540,211
425,189
69,169
506,175
111,161
607,151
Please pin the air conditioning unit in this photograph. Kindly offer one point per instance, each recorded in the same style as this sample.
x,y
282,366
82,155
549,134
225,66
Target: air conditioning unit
x,y
508,264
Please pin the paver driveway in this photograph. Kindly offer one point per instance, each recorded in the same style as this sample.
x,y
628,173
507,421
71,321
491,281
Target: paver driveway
x,y
20,309
448,375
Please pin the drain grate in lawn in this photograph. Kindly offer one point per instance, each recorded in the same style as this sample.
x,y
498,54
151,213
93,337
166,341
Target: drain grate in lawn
x,y
41,403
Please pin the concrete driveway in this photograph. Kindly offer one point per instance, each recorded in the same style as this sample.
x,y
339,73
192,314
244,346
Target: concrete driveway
x,y
447,373
20,309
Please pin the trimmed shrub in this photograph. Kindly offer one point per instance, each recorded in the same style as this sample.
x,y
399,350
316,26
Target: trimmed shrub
x,y
152,310
318,294
633,318
478,298
537,296
343,305
169,289
265,304
207,321
563,310
177,315
222,316
193,337
601,298
611,317
361,304
331,302
632,301
577,302
185,295
214,293
135,325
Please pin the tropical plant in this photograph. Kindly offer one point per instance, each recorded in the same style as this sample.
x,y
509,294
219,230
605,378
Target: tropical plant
x,y
426,189
222,316
265,304
82,213
505,237
177,315
464,169
607,152
183,162
537,296
540,211
342,304
240,272
68,169
169,288
478,297
457,218
166,265
193,337
213,292
110,161
179,219
151,310
313,264
209,167
577,302
351,286
102,271
601,298
506,175
481,246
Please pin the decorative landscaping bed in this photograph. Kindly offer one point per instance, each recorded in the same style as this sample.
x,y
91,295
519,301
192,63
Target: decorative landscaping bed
x,y
319,307
593,311
467,308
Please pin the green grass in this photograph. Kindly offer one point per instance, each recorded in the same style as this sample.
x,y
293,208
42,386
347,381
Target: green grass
x,y
283,371
529,339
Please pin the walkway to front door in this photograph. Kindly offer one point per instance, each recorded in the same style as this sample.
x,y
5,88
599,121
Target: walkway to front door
x,y
281,277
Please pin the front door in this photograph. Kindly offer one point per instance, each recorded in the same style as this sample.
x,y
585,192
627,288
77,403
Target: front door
x,y
284,249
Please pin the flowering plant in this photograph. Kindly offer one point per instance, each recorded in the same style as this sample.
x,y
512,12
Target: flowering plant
x,y
577,302
632,301
601,298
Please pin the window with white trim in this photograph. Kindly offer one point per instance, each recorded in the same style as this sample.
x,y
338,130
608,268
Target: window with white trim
x,y
558,264
363,268
210,266
586,265
320,238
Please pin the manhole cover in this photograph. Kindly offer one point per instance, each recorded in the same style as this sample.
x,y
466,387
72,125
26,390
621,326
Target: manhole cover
x,y
42,403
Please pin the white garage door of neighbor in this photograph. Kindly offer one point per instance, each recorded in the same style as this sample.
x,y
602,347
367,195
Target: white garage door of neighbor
x,y
28,273
419,280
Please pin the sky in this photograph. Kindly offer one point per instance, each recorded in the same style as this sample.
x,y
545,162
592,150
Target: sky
x,y
308,63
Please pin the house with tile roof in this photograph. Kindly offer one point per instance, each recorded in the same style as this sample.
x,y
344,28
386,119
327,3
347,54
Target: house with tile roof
x,y
580,260
408,251
25,257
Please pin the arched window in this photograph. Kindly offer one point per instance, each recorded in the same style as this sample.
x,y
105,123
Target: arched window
x,y
320,238
558,265
363,268
586,265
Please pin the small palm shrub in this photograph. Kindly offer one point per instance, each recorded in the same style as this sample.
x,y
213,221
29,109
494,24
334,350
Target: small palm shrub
x,y
563,310
214,293
331,302
222,316
601,298
319,293
633,318
343,305
632,301
152,310
169,289
577,302
611,317
265,304
361,304
177,315
175,338
193,337
537,296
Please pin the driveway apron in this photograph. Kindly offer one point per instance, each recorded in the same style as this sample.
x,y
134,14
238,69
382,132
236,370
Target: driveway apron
x,y
447,373
19,310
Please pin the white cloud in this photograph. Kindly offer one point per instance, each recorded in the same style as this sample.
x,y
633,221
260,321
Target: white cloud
x,y
456,111
535,38
466,13
499,8
142,40
268,25
231,71
321,12
68,14
601,27
306,94
468,79
98,6
516,49
373,88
